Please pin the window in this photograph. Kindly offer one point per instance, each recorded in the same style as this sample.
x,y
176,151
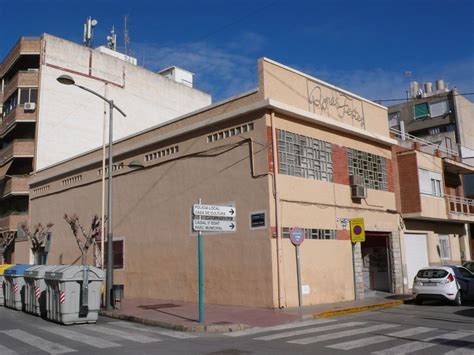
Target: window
x,y
10,104
430,183
28,95
421,111
439,108
371,167
313,233
394,119
304,156
465,272
444,247
118,254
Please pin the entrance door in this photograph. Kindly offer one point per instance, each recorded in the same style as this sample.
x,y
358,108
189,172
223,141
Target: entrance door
x,y
416,255
375,262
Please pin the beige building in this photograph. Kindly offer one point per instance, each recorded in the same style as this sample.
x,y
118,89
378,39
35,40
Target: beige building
x,y
295,152
43,122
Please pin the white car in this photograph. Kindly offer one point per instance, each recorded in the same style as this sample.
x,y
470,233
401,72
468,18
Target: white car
x,y
452,283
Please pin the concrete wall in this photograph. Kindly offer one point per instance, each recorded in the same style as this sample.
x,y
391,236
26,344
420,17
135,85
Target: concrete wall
x,y
71,121
465,117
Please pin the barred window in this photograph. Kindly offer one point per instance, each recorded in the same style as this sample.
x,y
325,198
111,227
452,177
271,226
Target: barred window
x,y
313,233
371,167
304,156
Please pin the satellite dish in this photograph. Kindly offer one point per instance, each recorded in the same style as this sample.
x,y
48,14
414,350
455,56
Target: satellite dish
x,y
94,22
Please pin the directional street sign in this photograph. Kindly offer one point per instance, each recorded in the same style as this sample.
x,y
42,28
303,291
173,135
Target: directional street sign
x,y
213,225
213,210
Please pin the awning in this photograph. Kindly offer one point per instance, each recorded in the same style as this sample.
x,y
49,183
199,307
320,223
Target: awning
x,y
456,167
4,169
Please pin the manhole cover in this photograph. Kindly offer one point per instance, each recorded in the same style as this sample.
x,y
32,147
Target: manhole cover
x,y
159,306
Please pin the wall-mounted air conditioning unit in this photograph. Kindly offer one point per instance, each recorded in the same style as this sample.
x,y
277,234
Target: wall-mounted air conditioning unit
x,y
358,192
29,106
356,180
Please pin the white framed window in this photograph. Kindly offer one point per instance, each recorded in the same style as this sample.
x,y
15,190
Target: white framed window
x,y
430,183
439,108
444,247
421,110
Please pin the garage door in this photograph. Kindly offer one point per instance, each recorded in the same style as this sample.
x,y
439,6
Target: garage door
x,y
416,255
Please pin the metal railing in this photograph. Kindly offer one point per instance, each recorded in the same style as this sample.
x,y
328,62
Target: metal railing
x,y
406,140
460,205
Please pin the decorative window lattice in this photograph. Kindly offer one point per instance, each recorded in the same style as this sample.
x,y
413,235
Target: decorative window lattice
x,y
304,156
115,167
162,153
371,167
231,132
313,233
41,189
71,180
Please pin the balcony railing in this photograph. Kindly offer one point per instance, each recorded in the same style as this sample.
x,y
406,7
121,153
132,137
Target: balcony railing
x,y
18,148
10,222
16,115
460,205
408,141
22,78
15,185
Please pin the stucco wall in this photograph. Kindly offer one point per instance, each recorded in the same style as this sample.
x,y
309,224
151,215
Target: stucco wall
x,y
70,120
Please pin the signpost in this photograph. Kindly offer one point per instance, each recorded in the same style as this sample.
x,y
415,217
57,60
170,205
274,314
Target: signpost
x,y
357,235
297,237
210,218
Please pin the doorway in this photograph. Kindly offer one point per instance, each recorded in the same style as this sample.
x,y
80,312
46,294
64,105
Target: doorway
x,y
376,262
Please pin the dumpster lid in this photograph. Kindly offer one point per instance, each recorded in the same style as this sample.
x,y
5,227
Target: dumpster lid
x,y
38,271
74,272
17,270
3,267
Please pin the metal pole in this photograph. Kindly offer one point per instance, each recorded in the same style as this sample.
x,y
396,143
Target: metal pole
x,y
354,270
110,255
298,275
201,277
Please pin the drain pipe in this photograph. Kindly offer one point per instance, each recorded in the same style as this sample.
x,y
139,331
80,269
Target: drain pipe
x,y
276,195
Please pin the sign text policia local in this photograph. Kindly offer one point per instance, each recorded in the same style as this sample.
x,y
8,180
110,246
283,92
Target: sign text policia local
x,y
213,218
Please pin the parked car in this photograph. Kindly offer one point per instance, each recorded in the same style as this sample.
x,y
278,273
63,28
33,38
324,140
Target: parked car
x,y
452,283
469,265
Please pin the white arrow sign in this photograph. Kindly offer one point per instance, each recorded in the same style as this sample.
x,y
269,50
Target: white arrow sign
x,y
214,211
213,225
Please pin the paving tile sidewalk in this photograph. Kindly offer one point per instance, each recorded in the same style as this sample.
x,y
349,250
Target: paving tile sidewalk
x,y
218,318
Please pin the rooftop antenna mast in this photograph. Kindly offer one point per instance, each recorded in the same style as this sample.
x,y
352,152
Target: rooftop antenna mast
x,y
126,38
112,40
88,31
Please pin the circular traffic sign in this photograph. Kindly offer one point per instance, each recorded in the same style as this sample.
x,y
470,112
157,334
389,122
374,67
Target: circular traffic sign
x,y
296,235
357,230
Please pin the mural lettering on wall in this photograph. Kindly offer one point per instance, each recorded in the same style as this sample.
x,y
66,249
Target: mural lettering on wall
x,y
335,104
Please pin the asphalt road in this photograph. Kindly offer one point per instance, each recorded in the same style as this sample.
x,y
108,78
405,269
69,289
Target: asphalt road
x,y
428,329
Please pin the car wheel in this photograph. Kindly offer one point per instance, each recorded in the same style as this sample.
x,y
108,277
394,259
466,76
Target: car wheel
x,y
458,300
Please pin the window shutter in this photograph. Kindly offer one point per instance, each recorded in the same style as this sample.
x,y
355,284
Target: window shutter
x,y
439,108
425,181
421,110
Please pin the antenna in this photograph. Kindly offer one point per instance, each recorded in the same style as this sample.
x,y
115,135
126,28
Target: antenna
x,y
126,38
112,40
88,33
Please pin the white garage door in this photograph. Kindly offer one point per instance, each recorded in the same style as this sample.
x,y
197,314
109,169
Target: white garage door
x,y
416,255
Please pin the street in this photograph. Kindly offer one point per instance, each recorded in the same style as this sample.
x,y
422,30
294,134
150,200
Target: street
x,y
433,329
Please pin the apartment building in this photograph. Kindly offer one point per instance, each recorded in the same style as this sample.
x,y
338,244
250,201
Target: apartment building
x,y
43,122
294,152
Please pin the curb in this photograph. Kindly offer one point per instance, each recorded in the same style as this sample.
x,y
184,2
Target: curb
x,y
349,310
198,328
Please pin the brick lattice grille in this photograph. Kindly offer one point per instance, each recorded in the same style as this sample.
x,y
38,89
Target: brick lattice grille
x,y
304,156
371,167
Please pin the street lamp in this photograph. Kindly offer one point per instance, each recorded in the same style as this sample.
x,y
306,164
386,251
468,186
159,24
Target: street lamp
x,y
67,80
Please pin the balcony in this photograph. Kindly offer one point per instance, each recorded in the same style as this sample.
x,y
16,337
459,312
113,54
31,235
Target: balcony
x,y
16,185
26,45
460,208
17,115
22,78
10,222
19,148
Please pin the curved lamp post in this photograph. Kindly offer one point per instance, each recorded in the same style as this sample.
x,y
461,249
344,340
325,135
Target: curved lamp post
x,y
67,80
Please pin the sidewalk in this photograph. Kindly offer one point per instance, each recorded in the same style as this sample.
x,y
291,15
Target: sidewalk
x,y
218,318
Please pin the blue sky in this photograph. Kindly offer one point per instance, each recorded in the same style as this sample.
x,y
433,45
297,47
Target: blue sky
x,y
364,46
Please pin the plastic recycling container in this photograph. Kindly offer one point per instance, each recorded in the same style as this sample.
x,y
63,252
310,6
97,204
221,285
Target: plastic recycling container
x,y
3,267
73,293
15,286
35,289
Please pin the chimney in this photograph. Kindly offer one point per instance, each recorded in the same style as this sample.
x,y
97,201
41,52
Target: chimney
x,y
414,89
428,88
440,85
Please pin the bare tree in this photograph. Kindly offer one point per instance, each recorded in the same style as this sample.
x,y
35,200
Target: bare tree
x,y
37,237
84,239
7,238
